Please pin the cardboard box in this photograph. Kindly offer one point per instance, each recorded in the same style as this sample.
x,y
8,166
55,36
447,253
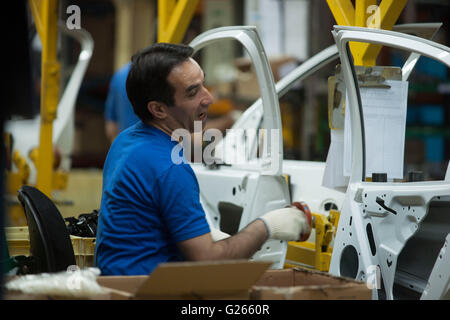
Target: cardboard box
x,y
234,279
304,284
230,279
219,280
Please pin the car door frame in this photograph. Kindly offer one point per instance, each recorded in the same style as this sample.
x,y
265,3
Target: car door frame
x,y
247,35
358,251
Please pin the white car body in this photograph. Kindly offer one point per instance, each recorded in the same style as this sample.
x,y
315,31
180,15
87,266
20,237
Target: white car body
x,y
246,190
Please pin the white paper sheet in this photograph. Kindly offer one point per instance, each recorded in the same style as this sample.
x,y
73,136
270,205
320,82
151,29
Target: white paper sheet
x,y
384,121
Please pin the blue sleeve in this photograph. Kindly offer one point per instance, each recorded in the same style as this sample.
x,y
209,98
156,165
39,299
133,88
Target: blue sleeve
x,y
111,101
181,209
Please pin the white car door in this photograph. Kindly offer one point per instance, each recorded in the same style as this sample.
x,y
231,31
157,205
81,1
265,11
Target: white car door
x,y
391,234
236,194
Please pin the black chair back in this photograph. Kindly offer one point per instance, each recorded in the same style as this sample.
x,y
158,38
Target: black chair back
x,y
50,242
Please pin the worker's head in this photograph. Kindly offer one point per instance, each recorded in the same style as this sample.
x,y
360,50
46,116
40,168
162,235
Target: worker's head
x,y
165,85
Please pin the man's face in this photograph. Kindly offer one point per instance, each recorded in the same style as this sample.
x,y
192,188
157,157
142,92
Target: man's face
x,y
191,98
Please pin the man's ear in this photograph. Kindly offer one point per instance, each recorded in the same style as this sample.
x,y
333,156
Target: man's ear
x,y
157,109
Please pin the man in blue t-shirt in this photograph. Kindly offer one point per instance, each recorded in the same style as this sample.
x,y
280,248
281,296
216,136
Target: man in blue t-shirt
x,y
150,210
119,113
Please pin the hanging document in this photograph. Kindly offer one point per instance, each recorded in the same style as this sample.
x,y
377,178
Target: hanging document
x,y
384,110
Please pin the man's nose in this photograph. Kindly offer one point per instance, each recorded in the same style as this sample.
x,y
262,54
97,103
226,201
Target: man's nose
x,y
208,97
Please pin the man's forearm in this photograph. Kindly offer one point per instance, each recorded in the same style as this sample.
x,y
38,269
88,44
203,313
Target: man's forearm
x,y
289,224
243,244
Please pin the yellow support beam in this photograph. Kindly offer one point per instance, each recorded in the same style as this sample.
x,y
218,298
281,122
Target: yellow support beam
x,y
366,13
174,18
362,10
45,13
343,11
165,9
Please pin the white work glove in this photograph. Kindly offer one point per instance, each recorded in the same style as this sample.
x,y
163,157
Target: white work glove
x,y
288,224
218,235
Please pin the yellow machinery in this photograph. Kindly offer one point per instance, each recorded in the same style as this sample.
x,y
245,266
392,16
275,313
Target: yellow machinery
x,y
316,254
45,15
174,18
365,13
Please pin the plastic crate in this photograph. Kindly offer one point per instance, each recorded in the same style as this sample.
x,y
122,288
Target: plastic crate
x,y
84,249
18,240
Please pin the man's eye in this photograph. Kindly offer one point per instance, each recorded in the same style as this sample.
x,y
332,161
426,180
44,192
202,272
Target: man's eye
x,y
192,93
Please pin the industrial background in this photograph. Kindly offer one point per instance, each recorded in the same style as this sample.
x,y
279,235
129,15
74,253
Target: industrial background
x,y
292,31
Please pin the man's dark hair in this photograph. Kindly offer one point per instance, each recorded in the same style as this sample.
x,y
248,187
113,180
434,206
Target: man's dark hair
x,y
147,79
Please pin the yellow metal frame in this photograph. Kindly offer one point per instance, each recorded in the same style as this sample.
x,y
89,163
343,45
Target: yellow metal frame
x,y
345,14
17,179
174,18
316,255
45,14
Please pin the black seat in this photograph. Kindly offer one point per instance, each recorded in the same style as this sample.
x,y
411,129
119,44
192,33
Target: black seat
x,y
50,243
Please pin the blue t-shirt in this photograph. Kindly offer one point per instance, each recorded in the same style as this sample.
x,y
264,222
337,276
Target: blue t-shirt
x,y
148,204
118,107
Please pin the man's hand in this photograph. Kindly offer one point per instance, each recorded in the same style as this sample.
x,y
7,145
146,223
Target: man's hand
x,y
290,224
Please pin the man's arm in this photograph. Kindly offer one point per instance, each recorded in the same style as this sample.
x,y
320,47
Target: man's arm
x,y
240,246
290,224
